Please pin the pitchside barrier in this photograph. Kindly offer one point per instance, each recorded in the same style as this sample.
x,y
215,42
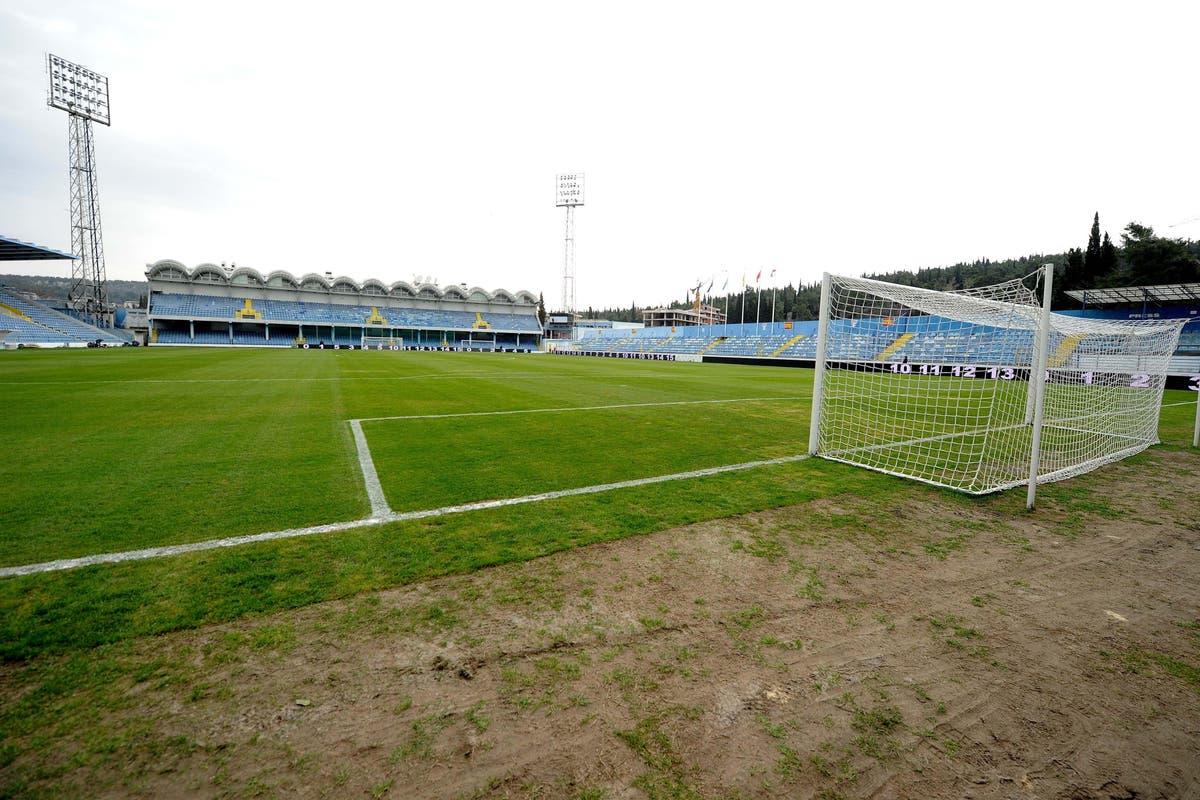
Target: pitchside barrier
x,y
380,346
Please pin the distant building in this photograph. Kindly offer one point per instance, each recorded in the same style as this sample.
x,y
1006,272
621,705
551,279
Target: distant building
x,y
559,325
682,317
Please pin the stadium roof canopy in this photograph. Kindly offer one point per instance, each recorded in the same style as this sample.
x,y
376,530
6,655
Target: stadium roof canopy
x,y
16,250
1170,293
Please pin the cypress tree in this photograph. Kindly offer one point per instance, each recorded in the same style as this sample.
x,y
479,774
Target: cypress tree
x,y
1073,277
1108,258
1091,256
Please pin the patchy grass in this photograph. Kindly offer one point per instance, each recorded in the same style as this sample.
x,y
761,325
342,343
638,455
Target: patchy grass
x,y
666,775
942,548
1136,661
421,739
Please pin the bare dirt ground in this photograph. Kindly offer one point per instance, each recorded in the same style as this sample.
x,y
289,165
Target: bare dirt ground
x,y
835,649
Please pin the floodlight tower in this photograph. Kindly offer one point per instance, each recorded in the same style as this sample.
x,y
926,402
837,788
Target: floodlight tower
x,y
83,94
568,195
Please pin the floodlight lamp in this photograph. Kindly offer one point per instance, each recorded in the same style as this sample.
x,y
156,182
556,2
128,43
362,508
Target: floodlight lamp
x,y
569,189
77,90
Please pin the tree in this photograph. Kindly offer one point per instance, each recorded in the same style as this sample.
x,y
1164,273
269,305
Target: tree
x,y
788,302
1108,258
1073,277
541,310
1154,260
1091,256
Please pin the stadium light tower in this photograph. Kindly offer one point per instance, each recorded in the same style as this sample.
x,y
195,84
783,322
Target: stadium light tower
x,y
83,94
568,195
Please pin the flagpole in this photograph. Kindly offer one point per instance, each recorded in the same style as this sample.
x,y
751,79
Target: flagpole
x,y
757,308
743,321
774,287
725,290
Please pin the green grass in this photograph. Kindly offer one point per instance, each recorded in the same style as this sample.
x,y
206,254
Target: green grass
x,y
425,463
111,450
1136,660
125,452
132,449
126,449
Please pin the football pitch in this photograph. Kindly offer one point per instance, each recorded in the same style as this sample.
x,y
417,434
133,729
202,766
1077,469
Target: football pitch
x,y
338,472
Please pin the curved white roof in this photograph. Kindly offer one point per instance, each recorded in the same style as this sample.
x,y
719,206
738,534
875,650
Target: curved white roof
x,y
170,270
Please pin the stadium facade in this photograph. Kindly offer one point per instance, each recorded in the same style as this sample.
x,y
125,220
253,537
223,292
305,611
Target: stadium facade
x,y
217,305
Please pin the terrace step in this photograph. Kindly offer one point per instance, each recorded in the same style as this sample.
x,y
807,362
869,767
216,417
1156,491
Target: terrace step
x,y
1064,350
894,346
786,345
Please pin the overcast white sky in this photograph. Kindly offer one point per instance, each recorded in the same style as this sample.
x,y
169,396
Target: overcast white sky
x,y
393,140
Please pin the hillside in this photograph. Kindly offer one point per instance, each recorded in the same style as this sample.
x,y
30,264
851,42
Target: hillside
x,y
53,288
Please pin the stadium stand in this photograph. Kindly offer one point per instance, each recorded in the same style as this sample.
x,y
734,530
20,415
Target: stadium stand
x,y
917,339
214,305
211,305
34,323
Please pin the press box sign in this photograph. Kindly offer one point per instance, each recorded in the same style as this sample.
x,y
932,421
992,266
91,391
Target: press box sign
x,y
569,190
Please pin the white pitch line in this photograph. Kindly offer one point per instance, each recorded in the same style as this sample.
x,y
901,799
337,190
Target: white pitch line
x,y
379,506
596,489
180,549
575,408
235,541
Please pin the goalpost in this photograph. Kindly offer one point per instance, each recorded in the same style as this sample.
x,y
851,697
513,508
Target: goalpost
x,y
382,342
935,386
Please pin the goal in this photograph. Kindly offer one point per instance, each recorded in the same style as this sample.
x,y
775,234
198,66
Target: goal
x,y
935,386
382,343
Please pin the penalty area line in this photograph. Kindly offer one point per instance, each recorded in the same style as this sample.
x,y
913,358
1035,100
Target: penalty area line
x,y
562,409
393,516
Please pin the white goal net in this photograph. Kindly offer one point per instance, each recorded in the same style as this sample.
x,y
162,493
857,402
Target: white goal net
x,y
382,342
935,386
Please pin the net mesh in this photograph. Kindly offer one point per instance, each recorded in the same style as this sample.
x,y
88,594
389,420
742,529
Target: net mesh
x,y
935,386
1015,291
382,342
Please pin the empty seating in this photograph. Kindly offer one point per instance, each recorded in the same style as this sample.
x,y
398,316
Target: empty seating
x,y
328,322
31,322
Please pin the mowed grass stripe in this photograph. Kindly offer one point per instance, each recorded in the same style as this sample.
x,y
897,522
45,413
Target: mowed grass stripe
x,y
127,465
108,469
422,462
575,408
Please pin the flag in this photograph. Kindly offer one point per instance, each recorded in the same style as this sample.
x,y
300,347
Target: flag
x,y
710,285
772,274
758,277
726,286
743,280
